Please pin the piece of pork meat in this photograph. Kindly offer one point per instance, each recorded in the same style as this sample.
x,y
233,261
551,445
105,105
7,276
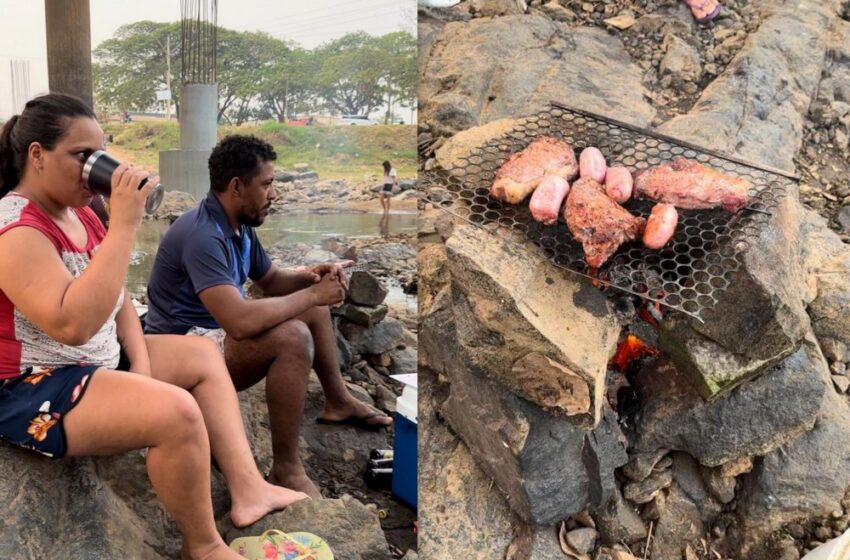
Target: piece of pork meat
x,y
524,170
689,184
599,223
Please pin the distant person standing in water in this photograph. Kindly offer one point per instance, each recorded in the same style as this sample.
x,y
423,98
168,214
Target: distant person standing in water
x,y
390,182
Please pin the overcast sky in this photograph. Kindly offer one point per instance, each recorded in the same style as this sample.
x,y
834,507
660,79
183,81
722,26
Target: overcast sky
x,y
22,33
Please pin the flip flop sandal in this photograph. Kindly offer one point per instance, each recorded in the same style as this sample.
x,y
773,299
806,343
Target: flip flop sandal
x,y
361,422
699,5
277,545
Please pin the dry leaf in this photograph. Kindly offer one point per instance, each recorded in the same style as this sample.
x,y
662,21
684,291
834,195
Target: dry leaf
x,y
585,520
621,21
565,546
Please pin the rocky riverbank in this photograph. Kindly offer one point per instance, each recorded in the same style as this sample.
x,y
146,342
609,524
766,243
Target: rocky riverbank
x,y
112,499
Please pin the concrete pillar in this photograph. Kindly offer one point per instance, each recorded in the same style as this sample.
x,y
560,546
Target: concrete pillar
x,y
69,47
186,169
198,116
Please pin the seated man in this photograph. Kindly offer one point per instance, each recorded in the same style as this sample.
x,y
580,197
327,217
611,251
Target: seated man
x,y
196,287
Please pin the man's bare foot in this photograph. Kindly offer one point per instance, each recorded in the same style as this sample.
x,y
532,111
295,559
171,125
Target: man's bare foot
x,y
218,551
253,505
296,479
356,413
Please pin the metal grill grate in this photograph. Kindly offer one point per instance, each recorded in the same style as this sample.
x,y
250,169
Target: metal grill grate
x,y
688,274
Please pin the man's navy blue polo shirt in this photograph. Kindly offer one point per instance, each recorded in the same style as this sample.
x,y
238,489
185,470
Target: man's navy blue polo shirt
x,y
199,251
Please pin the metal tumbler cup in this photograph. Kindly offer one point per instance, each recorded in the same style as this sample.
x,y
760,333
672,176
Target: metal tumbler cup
x,y
97,174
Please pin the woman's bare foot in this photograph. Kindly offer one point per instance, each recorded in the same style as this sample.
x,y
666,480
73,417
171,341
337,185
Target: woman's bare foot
x,y
218,551
295,478
263,498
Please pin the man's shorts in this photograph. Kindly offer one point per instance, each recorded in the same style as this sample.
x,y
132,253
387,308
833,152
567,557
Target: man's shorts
x,y
33,406
216,335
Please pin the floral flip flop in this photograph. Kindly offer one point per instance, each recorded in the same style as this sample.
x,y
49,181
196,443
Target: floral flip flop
x,y
277,545
700,5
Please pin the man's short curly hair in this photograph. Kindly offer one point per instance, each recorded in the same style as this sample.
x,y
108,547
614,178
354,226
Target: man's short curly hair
x,y
237,156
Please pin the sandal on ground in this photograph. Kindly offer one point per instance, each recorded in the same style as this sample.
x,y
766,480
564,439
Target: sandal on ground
x,y
700,5
282,546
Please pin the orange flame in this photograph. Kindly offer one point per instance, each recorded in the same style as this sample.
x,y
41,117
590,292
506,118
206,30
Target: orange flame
x,y
630,349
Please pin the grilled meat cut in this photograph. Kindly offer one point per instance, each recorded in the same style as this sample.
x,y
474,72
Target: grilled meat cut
x,y
688,184
599,223
523,171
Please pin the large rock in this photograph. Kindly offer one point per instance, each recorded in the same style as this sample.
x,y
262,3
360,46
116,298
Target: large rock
x,y
757,321
465,142
680,523
801,481
488,69
351,530
365,289
830,276
376,339
756,109
174,203
68,509
460,509
753,419
681,61
363,315
617,521
547,467
545,334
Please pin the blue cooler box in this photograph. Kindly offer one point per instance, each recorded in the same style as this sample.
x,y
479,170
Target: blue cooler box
x,y
404,448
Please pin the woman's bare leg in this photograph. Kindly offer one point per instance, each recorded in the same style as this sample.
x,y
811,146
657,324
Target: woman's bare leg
x,y
123,411
201,370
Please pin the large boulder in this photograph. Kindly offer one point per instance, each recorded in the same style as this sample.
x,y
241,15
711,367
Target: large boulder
x,y
487,69
756,109
545,334
351,529
376,339
365,289
547,467
69,509
460,509
753,419
757,321
799,482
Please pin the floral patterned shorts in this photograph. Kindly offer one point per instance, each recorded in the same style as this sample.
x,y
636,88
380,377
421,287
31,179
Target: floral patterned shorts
x,y
33,406
216,335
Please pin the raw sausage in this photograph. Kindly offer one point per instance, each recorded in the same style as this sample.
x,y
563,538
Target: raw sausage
x,y
591,163
547,199
660,226
618,184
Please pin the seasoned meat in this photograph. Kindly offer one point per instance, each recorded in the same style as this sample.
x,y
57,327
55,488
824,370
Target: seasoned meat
x,y
523,171
599,223
688,184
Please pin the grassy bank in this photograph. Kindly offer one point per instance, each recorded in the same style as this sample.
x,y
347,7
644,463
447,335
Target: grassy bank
x,y
335,152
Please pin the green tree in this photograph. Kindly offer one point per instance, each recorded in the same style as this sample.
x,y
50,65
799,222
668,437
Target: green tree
x,y
399,69
289,87
244,58
130,67
350,76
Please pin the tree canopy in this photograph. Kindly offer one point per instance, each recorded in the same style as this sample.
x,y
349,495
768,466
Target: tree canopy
x,y
260,76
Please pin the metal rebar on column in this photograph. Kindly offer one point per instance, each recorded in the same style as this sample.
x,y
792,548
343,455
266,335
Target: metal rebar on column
x,y
69,47
186,169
